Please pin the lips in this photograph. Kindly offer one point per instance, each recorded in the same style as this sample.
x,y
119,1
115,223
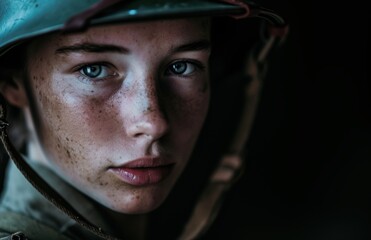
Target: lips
x,y
143,171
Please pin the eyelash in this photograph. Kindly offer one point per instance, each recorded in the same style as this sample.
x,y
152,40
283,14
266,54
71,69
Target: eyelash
x,y
83,77
196,64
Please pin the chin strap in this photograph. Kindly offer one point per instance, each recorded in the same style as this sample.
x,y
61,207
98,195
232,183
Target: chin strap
x,y
40,184
231,164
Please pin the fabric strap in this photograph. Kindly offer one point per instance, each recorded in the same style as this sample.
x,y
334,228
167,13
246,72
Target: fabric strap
x,y
40,184
231,164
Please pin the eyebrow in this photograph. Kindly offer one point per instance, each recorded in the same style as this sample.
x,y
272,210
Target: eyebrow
x,y
194,46
92,48
100,48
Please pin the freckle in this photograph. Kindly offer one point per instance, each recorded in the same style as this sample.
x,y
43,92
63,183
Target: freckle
x,y
68,153
67,139
103,183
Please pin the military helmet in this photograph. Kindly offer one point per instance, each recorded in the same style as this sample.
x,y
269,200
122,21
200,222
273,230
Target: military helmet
x,y
21,20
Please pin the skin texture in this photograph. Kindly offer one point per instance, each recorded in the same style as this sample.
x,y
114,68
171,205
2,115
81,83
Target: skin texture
x,y
138,109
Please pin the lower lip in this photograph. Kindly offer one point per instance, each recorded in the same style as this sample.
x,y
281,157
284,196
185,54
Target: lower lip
x,y
143,176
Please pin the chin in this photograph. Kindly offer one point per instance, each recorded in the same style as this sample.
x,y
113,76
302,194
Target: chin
x,y
134,208
135,204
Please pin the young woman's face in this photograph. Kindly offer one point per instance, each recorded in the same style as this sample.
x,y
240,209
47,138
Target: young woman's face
x,y
118,109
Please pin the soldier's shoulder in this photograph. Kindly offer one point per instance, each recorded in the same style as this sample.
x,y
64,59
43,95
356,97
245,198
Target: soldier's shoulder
x,y
17,226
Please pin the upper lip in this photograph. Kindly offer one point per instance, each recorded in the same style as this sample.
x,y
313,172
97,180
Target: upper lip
x,y
145,162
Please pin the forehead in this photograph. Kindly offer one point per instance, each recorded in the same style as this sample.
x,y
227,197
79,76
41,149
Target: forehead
x,y
160,31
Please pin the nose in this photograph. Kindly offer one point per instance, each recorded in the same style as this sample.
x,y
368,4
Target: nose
x,y
146,114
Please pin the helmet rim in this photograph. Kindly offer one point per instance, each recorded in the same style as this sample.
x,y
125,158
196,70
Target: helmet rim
x,y
19,28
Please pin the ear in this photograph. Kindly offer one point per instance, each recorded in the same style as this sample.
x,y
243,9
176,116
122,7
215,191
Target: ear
x,y
13,90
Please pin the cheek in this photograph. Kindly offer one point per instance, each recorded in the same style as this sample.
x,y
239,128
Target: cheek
x,y
188,114
187,102
55,117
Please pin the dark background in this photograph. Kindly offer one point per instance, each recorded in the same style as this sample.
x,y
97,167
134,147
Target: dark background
x,y
308,174
308,161
308,156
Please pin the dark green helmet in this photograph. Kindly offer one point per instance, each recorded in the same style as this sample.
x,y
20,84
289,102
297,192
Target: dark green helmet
x,y
21,20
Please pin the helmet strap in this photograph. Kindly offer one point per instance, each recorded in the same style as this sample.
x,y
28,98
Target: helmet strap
x,y
39,183
231,164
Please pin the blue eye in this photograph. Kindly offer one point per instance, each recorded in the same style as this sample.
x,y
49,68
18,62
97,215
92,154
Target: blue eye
x,y
92,71
179,67
95,71
182,68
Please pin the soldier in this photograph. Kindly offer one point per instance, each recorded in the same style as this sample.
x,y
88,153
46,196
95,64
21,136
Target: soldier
x,y
106,104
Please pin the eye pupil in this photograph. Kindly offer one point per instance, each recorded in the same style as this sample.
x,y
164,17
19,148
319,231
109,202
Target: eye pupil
x,y
179,67
92,71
